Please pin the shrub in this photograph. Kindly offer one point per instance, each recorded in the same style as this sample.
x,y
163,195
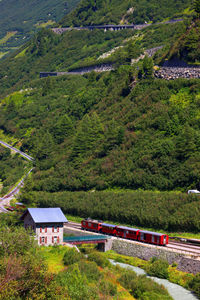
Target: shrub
x,y
71,256
142,285
195,284
108,288
154,296
99,259
158,268
90,270
126,278
76,284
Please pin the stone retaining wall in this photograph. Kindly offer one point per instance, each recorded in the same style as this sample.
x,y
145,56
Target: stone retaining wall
x,y
171,73
145,252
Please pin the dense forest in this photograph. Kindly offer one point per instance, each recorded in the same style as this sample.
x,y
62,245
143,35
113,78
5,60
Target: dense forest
x,y
20,19
113,130
90,12
89,132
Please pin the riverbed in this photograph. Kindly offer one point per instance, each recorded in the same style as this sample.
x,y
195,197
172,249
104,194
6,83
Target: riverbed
x,y
176,291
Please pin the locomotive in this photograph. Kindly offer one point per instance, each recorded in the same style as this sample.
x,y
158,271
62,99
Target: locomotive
x,y
125,232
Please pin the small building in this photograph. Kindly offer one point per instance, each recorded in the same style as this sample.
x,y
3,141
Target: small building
x,y
47,223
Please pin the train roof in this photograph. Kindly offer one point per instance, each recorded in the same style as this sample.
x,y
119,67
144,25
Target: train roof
x,y
128,228
108,225
153,233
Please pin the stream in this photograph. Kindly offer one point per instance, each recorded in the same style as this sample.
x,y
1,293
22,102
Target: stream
x,y
176,291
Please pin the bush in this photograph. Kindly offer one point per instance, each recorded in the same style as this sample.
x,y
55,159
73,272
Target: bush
x,y
154,296
158,268
99,259
90,270
108,288
71,256
126,278
194,285
143,285
76,284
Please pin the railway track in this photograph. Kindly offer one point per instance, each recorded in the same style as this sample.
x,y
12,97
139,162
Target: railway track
x,y
183,247
73,225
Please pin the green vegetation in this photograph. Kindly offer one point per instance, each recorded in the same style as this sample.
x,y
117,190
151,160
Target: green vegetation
x,y
169,211
12,168
30,272
21,17
187,46
72,256
91,12
159,268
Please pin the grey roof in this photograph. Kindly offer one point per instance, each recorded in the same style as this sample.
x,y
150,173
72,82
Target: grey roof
x,y
108,225
47,215
153,233
127,228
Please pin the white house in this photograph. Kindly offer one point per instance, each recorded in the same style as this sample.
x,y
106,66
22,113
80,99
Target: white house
x,y
47,223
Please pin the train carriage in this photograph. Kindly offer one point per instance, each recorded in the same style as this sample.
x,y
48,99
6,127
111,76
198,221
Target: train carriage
x,y
91,225
108,229
127,232
153,238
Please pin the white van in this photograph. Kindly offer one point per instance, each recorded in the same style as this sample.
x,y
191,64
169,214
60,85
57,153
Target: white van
x,y
194,192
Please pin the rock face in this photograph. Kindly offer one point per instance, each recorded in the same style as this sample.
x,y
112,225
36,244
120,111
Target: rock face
x,y
170,73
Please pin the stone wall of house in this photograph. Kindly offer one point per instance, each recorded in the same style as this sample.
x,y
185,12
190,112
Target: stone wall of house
x,y
185,263
29,223
50,234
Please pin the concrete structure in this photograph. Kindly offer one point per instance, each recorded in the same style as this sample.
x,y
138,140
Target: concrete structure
x,y
47,223
103,246
111,27
104,242
80,71
185,262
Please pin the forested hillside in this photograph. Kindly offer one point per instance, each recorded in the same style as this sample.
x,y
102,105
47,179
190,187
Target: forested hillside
x,y
48,51
90,12
121,130
20,19
187,47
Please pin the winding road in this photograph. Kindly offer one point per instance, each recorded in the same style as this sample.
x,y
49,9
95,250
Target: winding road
x,y
5,200
17,151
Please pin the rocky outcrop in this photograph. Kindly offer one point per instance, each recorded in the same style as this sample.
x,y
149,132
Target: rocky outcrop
x,y
171,73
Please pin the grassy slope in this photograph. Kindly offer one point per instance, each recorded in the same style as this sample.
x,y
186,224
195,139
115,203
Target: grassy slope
x,y
128,11
22,16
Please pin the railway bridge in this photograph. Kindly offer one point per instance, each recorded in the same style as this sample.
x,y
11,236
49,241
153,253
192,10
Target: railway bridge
x,y
104,242
110,27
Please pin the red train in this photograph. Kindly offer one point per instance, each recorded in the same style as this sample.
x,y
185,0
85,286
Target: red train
x,y
125,232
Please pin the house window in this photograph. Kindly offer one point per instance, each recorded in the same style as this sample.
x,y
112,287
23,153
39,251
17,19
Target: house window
x,y
55,229
55,239
43,229
43,240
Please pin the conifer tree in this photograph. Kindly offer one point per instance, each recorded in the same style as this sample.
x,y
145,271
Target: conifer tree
x,y
196,6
